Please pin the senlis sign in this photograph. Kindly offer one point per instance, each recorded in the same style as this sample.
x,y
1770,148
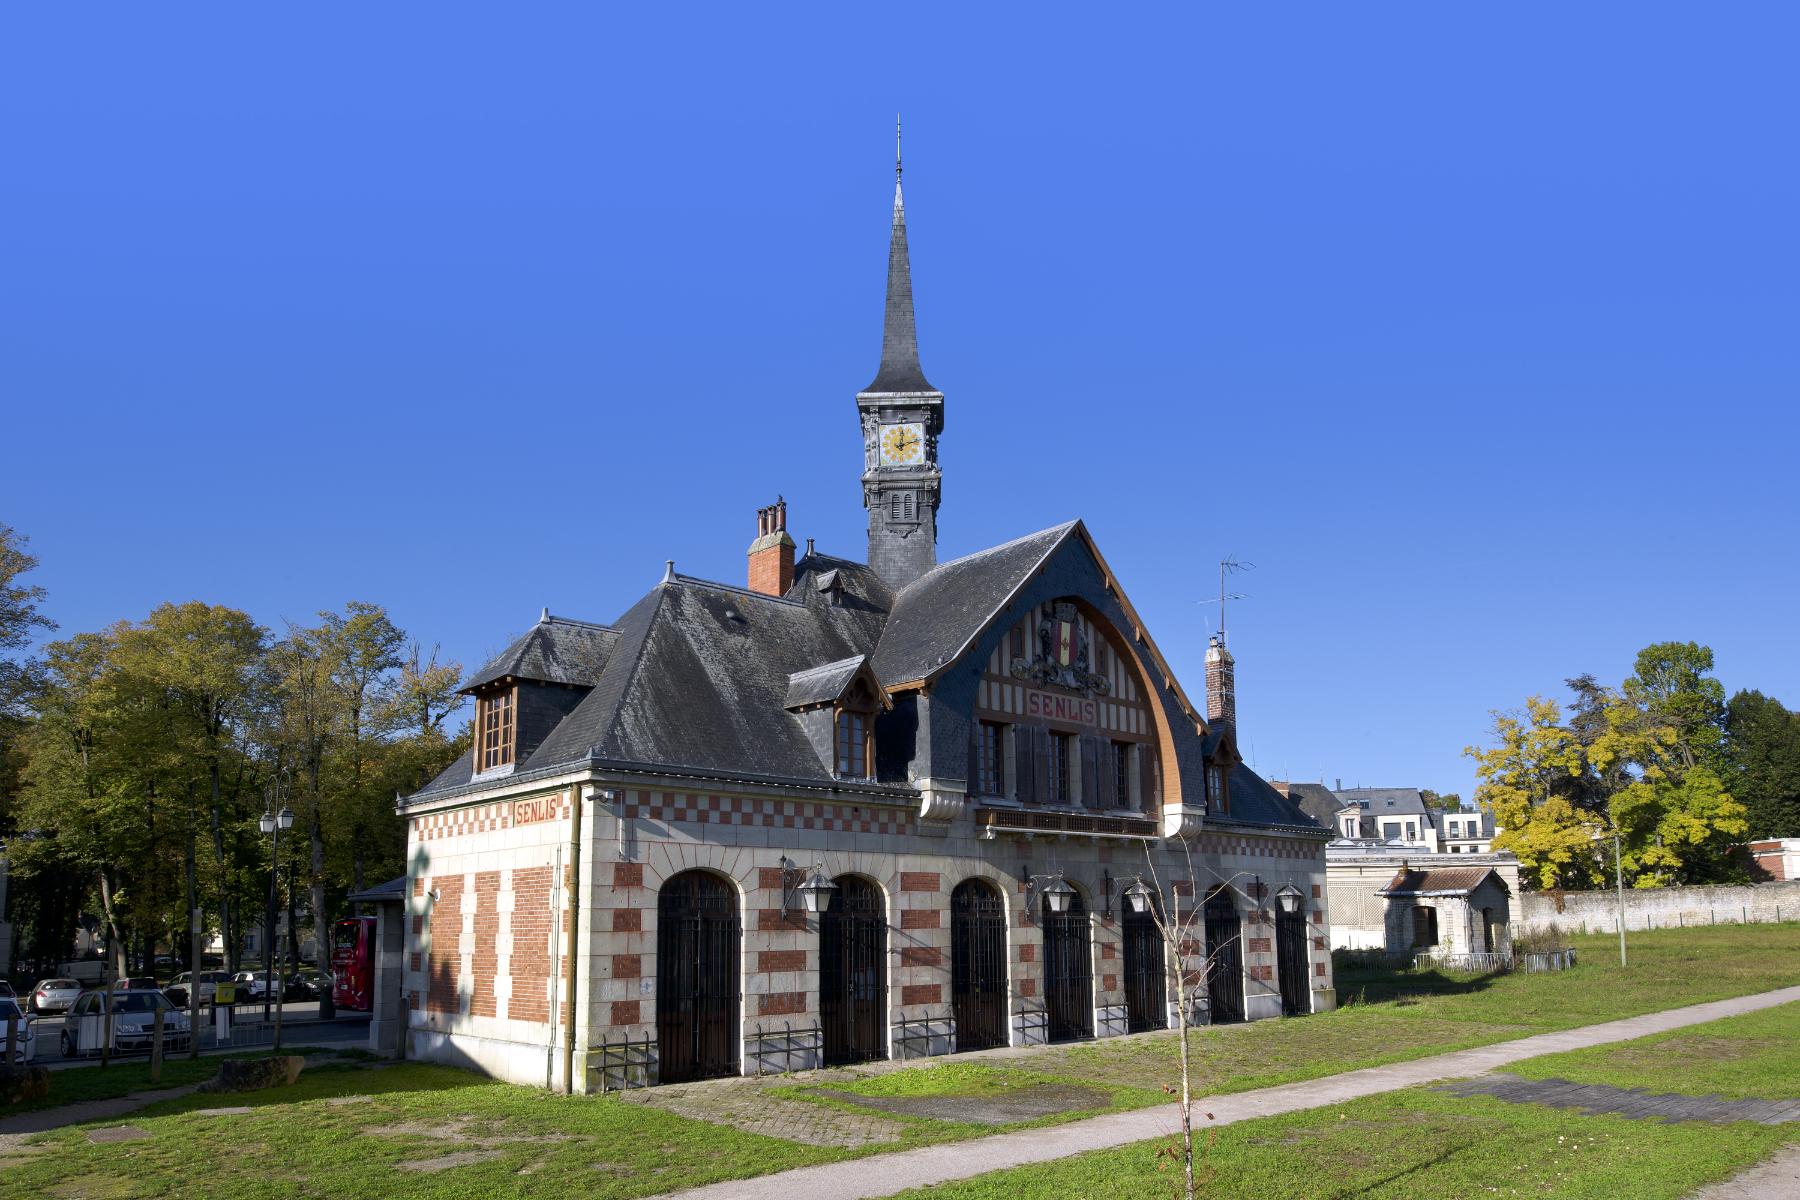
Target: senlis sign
x,y
538,808
1049,706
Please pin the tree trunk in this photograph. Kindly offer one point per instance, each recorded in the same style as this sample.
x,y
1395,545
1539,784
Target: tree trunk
x,y
317,881
115,941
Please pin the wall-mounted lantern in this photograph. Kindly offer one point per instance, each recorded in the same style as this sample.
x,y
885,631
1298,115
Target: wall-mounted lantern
x,y
807,891
1053,888
1139,895
1289,897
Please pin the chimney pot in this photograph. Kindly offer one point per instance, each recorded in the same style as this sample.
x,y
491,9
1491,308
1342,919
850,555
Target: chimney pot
x,y
771,564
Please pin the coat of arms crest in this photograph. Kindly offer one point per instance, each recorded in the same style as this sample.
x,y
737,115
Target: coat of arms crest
x,y
1063,653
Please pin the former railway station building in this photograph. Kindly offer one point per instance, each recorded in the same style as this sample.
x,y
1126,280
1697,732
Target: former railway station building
x,y
961,765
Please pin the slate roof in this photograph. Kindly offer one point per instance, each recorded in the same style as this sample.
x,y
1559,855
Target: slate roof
x,y
1439,881
393,890
822,685
1381,802
1316,801
938,614
1254,801
899,370
555,650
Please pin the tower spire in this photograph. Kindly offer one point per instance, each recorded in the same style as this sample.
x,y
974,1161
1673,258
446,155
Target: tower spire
x,y
900,370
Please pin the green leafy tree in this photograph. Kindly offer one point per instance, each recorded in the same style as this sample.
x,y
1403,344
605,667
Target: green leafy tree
x,y
1446,801
1526,778
19,675
1763,747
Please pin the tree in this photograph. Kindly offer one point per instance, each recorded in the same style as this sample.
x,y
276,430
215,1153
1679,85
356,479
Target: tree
x,y
19,677
1526,778
1672,687
1445,802
1763,748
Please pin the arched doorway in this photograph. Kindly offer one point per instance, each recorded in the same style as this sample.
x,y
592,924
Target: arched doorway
x,y
978,965
1068,971
697,978
1224,959
1291,964
1146,971
853,972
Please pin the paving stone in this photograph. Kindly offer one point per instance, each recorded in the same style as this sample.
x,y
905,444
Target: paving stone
x,y
235,1110
1627,1102
117,1133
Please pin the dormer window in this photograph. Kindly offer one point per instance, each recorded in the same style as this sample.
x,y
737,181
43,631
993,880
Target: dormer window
x,y
854,744
1218,798
496,727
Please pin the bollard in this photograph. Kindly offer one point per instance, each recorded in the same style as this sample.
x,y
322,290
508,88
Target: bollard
x,y
1746,919
1714,913
156,1036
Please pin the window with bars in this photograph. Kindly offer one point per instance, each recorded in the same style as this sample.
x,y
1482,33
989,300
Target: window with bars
x,y
990,756
1062,760
494,725
1121,769
853,730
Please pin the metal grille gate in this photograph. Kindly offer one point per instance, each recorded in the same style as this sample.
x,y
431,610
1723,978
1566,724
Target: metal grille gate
x,y
978,965
1224,961
1068,972
853,973
697,984
1146,976
1290,963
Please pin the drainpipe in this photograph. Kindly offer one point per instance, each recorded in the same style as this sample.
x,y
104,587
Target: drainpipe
x,y
573,882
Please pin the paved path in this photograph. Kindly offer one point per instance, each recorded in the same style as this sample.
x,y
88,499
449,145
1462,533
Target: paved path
x,y
885,1174
1776,1179
15,1130
1637,1103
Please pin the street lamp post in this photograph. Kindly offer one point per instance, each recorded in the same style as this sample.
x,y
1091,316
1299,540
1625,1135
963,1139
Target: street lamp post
x,y
273,823
1619,883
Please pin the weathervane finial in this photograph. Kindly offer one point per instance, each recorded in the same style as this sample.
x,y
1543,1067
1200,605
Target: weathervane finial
x,y
896,147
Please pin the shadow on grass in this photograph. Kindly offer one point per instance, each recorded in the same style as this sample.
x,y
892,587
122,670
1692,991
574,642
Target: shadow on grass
x,y
1365,983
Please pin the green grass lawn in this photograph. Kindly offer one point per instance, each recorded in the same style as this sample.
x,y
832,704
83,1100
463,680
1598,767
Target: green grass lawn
x,y
296,1142
1408,1145
1420,1144
1391,1016
1755,1056
122,1078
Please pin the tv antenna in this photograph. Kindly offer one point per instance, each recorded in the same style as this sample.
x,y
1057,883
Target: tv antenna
x,y
1228,566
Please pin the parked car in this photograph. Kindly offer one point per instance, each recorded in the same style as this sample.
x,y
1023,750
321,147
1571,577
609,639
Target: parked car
x,y
253,987
134,983
310,983
209,983
54,995
6,990
9,1010
134,1023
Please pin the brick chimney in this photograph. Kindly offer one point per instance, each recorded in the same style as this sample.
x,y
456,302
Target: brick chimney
x,y
772,553
1221,682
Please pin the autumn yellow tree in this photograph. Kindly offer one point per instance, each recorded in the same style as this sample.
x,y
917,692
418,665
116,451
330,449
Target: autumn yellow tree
x,y
1527,778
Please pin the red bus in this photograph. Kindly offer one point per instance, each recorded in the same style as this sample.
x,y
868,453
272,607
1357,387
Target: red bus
x,y
353,963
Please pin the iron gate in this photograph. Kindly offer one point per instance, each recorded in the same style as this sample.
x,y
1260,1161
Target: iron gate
x,y
978,965
1290,963
1224,960
853,972
697,986
1146,974
1068,972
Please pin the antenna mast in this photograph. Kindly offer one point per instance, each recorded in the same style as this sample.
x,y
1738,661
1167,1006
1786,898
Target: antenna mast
x,y
1227,565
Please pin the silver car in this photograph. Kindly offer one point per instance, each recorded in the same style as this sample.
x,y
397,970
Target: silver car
x,y
133,1019
54,995
27,1035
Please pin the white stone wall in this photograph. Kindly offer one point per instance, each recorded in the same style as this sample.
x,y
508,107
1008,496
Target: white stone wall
x,y
1661,908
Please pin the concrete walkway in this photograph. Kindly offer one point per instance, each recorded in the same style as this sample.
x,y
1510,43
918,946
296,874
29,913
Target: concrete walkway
x,y
886,1174
1777,1179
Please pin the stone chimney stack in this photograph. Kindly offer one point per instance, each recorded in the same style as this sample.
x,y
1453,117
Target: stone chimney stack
x,y
1221,682
772,553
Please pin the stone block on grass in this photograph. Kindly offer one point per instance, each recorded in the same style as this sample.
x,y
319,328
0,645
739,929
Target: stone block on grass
x,y
254,1074
19,1084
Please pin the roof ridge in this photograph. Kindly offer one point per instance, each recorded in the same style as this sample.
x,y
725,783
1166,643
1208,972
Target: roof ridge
x,y
554,619
999,546
656,596
736,590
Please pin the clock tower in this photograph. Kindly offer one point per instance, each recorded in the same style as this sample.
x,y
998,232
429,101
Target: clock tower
x,y
902,415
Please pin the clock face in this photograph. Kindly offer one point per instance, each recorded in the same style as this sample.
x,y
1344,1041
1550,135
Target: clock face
x,y
902,445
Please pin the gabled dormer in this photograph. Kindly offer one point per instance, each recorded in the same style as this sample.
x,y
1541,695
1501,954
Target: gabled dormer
x,y
1222,758
526,690
836,704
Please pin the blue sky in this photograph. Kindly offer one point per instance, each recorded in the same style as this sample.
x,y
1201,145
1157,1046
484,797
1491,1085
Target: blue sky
x,y
1474,330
